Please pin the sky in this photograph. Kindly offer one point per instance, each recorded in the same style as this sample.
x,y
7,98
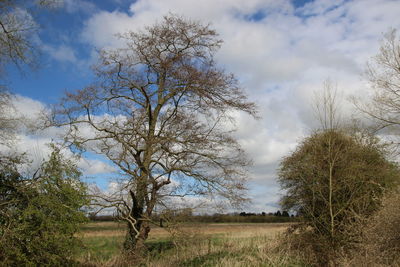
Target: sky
x,y
281,51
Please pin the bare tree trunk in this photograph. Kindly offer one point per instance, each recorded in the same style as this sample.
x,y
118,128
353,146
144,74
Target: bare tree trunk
x,y
141,211
135,239
138,228
332,218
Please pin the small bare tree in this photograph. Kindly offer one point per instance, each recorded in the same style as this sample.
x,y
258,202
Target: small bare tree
x,y
335,178
383,73
16,29
158,111
326,107
17,48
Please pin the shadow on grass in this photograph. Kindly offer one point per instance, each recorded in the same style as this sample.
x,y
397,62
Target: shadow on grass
x,y
106,247
205,260
159,246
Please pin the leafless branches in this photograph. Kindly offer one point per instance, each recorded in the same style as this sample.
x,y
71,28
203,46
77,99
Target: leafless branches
x,y
156,112
383,73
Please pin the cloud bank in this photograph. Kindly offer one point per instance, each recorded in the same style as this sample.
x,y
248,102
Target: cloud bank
x,y
281,54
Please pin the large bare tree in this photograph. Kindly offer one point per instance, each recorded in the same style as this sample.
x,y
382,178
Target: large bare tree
x,y
159,110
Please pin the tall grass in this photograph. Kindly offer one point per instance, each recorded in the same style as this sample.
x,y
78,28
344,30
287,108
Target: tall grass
x,y
228,251
205,245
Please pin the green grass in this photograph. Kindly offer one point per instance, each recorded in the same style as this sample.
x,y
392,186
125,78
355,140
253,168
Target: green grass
x,y
210,252
103,248
210,259
204,247
100,248
102,226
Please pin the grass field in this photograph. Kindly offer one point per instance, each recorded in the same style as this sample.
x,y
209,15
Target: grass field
x,y
222,244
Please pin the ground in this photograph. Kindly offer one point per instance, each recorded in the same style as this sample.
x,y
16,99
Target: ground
x,y
201,244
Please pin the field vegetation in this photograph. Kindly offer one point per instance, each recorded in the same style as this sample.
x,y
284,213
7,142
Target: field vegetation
x,y
192,244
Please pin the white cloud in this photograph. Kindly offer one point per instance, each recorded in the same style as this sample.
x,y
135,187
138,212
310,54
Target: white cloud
x,y
94,166
280,54
108,24
61,53
34,142
281,57
23,109
65,53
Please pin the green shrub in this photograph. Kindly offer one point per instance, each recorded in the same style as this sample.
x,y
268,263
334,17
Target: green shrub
x,y
40,215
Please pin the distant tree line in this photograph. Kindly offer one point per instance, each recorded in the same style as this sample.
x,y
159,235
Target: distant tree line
x,y
242,217
277,213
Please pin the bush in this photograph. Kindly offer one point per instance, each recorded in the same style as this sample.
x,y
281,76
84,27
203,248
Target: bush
x,y
40,215
334,180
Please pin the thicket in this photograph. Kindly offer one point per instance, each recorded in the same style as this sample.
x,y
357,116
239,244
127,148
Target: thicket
x,y
379,241
40,214
335,181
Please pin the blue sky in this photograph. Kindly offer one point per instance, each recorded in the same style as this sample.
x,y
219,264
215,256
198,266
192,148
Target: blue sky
x,y
281,51
62,27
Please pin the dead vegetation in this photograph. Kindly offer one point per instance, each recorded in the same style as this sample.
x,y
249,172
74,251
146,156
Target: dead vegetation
x,y
379,244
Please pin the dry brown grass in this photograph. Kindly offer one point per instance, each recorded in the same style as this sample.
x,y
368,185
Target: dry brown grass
x,y
108,229
230,250
227,244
